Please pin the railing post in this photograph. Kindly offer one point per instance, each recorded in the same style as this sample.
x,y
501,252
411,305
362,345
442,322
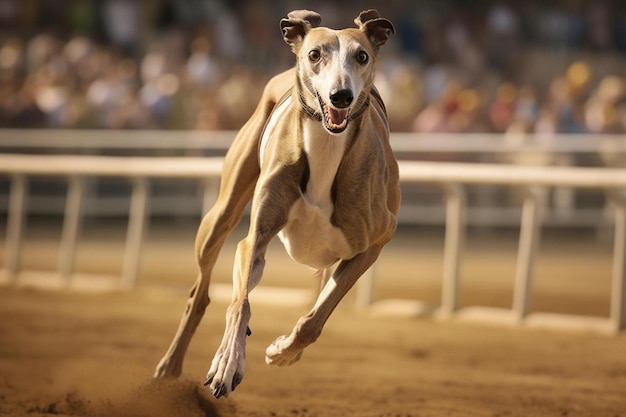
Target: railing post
x,y
453,248
618,286
15,225
71,228
134,237
529,237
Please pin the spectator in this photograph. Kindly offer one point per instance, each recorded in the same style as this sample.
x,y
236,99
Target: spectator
x,y
203,64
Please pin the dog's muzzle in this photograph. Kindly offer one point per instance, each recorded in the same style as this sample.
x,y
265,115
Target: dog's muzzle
x,y
335,116
341,98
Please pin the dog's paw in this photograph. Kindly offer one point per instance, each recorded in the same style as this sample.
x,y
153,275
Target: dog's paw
x,y
226,370
282,353
220,388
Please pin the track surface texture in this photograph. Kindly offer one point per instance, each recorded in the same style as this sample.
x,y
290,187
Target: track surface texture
x,y
79,354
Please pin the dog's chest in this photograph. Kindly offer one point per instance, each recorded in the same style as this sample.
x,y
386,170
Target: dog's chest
x,y
309,236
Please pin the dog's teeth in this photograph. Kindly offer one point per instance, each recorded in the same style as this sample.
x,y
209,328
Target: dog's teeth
x,y
338,126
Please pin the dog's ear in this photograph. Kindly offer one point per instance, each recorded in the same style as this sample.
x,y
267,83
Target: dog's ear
x,y
297,25
376,28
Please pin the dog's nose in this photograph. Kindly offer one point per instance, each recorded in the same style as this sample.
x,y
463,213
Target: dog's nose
x,y
341,98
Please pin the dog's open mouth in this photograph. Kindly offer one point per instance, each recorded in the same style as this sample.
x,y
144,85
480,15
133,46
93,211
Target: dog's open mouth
x,y
335,120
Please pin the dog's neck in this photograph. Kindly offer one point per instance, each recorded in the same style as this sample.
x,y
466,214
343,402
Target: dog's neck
x,y
324,150
324,153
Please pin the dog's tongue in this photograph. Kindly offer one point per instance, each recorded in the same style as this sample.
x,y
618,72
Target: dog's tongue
x,y
337,116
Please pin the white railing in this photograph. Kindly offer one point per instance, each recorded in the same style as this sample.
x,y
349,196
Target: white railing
x,y
453,177
200,140
76,169
488,206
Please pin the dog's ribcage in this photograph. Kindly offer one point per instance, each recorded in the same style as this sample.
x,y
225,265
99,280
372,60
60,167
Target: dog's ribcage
x,y
309,236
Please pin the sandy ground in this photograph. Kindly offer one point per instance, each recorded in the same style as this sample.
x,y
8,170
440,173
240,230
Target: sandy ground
x,y
69,353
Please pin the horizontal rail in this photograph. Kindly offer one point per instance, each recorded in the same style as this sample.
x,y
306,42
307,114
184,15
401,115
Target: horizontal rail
x,y
410,171
514,175
111,166
95,140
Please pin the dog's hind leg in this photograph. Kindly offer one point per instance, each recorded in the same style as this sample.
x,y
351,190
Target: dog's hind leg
x,y
240,173
239,176
288,349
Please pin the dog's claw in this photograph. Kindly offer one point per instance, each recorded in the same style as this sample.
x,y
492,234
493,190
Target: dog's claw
x,y
248,331
237,380
209,379
219,390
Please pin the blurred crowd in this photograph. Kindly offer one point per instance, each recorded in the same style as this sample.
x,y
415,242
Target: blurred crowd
x,y
536,66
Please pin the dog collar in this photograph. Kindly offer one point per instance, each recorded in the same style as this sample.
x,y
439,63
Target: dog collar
x,y
315,115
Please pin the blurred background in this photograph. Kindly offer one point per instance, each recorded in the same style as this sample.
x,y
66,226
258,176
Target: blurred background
x,y
485,66
539,82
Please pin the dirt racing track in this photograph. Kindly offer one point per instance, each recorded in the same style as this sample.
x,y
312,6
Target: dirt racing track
x,y
76,353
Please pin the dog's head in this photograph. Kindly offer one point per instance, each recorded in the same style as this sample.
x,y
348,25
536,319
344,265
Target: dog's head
x,y
335,67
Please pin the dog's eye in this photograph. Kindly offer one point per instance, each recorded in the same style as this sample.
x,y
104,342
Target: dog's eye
x,y
362,57
314,55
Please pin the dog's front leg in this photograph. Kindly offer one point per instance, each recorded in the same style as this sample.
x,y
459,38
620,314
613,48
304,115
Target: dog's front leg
x,y
268,216
288,349
227,368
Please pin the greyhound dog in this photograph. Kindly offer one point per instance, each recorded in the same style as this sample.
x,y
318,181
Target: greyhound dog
x,y
315,159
